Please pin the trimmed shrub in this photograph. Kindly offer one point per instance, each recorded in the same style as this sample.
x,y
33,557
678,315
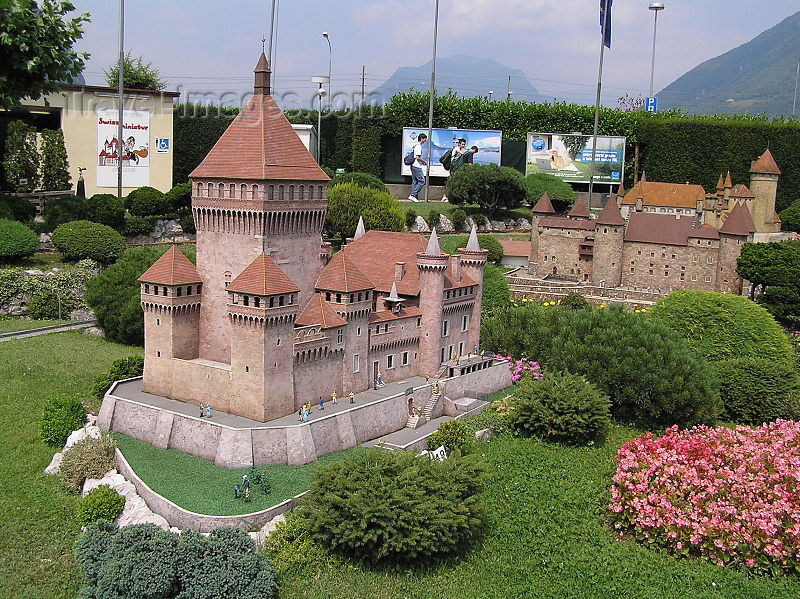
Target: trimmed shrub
x,y
458,217
756,390
433,218
114,294
560,192
411,217
55,165
146,201
6,213
137,225
19,208
106,209
348,201
394,507
495,293
360,179
144,561
124,368
487,242
562,408
88,458
479,219
64,209
576,301
720,326
84,239
61,415
453,434
16,241
492,187
647,369
187,222
179,197
48,304
102,503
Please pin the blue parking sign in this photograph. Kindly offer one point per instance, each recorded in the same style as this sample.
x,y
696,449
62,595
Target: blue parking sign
x,y
651,104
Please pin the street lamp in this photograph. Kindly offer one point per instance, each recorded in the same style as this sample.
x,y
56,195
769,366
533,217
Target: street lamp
x,y
491,91
330,55
320,80
655,7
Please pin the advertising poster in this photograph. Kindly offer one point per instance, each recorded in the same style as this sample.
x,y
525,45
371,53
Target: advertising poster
x,y
488,143
569,157
134,151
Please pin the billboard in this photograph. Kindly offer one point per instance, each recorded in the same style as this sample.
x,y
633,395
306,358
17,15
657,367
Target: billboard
x,y
134,148
569,157
488,143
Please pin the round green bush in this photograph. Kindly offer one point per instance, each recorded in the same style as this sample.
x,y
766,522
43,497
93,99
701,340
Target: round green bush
x,y
347,202
458,217
187,223
20,209
721,326
393,507
146,201
560,192
479,219
496,293
411,217
453,434
61,415
106,209
360,179
433,218
88,458
756,390
137,225
179,197
81,239
64,209
5,212
16,240
101,503
124,368
48,304
576,301
562,408
487,242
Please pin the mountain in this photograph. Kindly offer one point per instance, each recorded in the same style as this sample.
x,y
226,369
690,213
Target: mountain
x,y
468,76
757,77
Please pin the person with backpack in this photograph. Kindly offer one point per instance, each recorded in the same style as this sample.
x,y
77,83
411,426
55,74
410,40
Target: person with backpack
x,y
417,174
458,154
469,155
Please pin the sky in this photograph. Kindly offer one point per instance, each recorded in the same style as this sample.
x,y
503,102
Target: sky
x,y
207,49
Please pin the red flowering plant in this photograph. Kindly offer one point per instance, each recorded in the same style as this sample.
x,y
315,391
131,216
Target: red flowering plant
x,y
730,496
522,367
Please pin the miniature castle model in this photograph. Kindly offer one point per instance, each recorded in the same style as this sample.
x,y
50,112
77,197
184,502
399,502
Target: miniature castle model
x,y
268,321
674,237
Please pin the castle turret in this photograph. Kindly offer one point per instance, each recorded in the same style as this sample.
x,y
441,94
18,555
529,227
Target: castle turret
x,y
262,307
609,233
473,259
432,264
764,175
737,230
170,297
542,209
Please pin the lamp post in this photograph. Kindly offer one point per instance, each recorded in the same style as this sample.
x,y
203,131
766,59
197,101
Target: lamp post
x,y
655,7
320,80
491,91
330,57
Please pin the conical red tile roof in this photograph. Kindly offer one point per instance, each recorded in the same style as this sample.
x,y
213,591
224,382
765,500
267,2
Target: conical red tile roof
x,y
263,277
318,311
544,205
610,215
173,268
579,209
765,165
341,274
259,144
739,221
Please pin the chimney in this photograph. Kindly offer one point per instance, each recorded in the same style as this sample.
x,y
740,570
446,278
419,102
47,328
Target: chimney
x,y
455,265
399,270
639,203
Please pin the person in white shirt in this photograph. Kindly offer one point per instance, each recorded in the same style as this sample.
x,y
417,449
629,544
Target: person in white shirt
x,y
417,174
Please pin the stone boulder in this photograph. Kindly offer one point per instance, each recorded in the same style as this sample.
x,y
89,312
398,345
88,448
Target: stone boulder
x,y
498,225
55,464
445,225
523,224
420,226
81,434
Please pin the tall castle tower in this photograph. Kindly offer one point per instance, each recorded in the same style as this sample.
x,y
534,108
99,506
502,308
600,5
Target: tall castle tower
x,y
432,264
257,191
542,209
608,240
473,259
764,175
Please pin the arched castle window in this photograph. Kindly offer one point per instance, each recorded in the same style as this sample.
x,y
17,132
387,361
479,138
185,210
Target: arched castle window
x,y
301,191
188,290
227,276
243,191
246,300
179,291
327,296
155,289
310,192
198,289
359,296
272,302
232,190
338,298
165,291
199,189
255,192
319,191
280,301
280,192
291,192
147,288
221,190
352,296
257,302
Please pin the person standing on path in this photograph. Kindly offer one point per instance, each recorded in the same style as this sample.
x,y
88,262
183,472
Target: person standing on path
x,y
417,174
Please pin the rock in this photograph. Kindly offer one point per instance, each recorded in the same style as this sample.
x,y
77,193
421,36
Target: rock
x,y
81,315
445,225
137,512
94,331
173,227
158,230
55,464
81,434
44,242
498,225
112,479
261,535
523,224
484,434
420,226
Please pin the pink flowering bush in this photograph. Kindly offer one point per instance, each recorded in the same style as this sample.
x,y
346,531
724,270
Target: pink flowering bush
x,y
522,367
730,496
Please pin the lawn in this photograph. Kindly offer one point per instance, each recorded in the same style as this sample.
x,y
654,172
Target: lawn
x,y
446,208
209,488
12,325
37,522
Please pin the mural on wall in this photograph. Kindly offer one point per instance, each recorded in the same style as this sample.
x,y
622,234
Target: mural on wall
x,y
134,151
569,157
487,142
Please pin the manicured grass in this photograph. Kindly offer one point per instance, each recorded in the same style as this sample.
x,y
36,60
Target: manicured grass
x,y
209,488
422,208
37,521
12,325
450,243
546,537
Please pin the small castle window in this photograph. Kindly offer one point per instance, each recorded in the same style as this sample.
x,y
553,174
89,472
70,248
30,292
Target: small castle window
x,y
339,336
246,300
158,354
257,302
155,289
158,322
708,278
147,288
386,328
198,289
165,291
280,300
359,296
352,296
358,332
179,291
338,298
327,296
390,361
366,295
278,342
272,302
188,290
710,259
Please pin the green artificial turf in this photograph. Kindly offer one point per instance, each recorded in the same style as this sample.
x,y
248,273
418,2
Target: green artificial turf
x,y
37,521
199,486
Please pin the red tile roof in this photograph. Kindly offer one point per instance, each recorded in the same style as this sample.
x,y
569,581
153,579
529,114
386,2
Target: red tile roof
x,y
610,215
386,315
173,268
739,221
765,165
579,210
515,248
259,144
544,205
263,277
675,195
340,274
562,222
318,311
649,227
740,190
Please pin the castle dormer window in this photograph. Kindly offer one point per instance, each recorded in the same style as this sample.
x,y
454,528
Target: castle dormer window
x,y
257,302
179,291
246,300
280,301
155,289
188,290
147,288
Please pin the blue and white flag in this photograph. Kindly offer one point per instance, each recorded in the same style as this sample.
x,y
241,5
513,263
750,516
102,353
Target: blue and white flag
x,y
605,23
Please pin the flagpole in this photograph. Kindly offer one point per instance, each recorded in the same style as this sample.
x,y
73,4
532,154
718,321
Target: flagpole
x,y
430,105
597,99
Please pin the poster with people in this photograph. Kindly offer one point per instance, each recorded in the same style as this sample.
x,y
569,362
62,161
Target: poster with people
x,y
133,149
485,146
569,157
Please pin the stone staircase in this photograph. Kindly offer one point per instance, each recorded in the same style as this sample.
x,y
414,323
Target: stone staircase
x,y
427,412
